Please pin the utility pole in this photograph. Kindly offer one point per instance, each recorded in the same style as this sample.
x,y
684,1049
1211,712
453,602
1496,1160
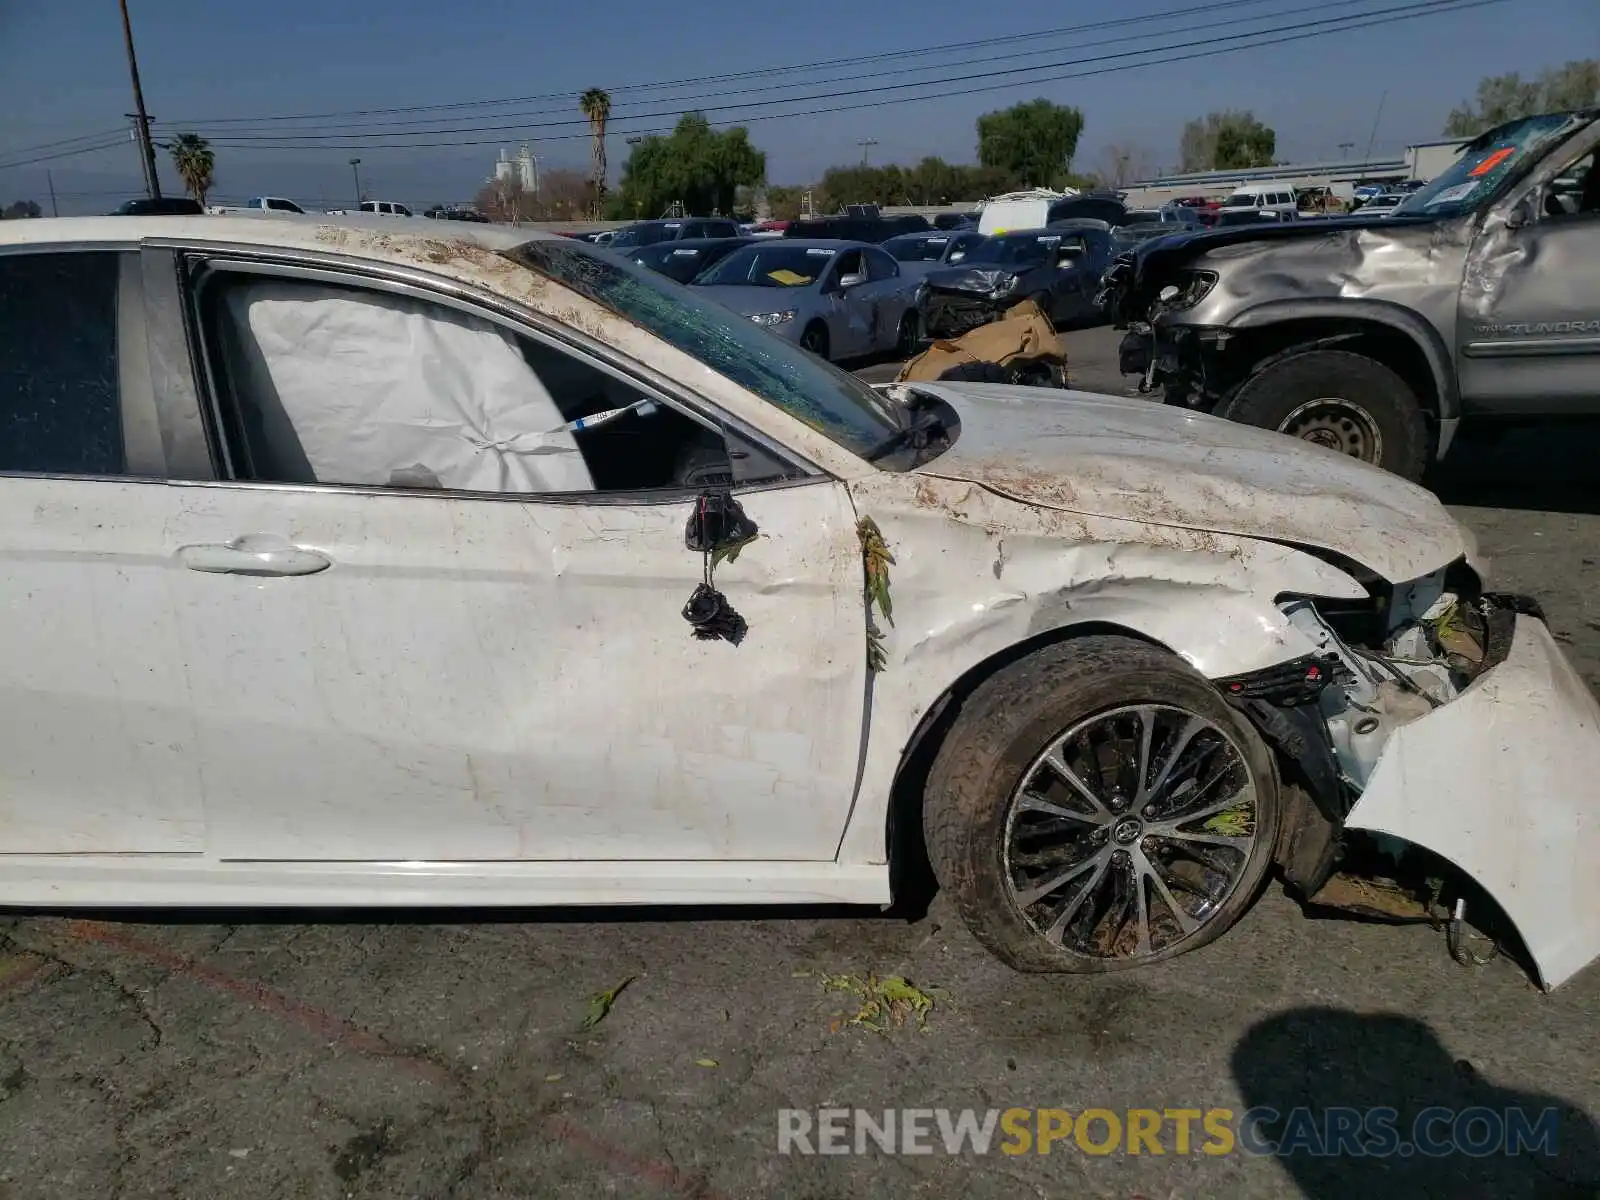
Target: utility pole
x,y
1373,136
140,117
50,179
355,169
866,144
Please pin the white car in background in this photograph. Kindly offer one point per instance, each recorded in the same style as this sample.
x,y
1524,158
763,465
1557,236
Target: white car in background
x,y
346,565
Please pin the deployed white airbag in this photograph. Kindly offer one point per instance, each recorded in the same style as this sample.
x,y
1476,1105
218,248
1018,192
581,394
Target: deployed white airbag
x,y
383,390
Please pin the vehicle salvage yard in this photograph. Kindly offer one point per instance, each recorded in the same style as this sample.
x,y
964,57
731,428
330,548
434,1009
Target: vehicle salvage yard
x,y
492,1053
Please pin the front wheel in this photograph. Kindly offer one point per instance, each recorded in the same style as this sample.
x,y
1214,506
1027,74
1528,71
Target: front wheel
x,y
910,335
1098,806
815,339
1340,400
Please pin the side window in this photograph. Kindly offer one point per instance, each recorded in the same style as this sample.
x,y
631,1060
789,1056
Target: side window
x,y
60,403
881,266
1576,191
400,210
321,383
849,263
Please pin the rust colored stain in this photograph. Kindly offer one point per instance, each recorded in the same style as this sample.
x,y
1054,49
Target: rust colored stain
x,y
351,1037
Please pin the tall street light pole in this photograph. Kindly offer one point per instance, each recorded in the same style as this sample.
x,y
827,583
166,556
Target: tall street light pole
x,y
355,169
152,181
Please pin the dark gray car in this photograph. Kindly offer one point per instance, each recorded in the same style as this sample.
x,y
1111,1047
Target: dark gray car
x,y
1058,268
919,253
1478,299
647,233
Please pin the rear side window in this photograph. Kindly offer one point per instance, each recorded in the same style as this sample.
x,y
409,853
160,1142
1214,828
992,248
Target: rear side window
x,y
60,405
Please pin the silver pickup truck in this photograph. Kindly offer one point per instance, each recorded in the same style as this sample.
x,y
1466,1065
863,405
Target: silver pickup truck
x,y
1477,300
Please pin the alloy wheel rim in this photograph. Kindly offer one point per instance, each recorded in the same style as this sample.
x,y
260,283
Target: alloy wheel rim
x,y
1130,831
1337,424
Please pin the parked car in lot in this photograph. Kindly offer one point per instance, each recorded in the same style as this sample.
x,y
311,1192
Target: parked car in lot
x,y
952,221
1058,268
685,258
919,253
456,212
648,233
872,230
835,299
165,206
272,204
310,517
1475,301
1383,204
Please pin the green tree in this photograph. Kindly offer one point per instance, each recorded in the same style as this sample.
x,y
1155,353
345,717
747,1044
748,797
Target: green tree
x,y
195,163
1227,140
784,202
21,209
1035,141
1502,98
595,104
695,164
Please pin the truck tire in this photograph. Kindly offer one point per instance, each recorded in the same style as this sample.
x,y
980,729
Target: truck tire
x,y
1341,400
1047,878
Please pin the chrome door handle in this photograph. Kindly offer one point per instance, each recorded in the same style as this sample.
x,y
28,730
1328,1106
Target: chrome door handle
x,y
254,554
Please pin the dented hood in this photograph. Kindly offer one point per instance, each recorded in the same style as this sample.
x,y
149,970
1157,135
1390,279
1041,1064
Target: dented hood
x,y
1143,461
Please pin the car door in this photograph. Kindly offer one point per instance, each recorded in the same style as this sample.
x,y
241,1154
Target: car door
x,y
97,749
494,663
889,295
852,307
1529,321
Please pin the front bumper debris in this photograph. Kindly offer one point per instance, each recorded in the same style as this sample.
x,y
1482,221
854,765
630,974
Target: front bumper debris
x,y
951,314
1501,781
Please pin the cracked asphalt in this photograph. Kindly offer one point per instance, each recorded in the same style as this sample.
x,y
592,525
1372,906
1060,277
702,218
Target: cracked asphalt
x,y
441,1055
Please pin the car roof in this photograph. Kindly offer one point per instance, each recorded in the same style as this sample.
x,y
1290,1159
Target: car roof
x,y
814,243
699,243
313,231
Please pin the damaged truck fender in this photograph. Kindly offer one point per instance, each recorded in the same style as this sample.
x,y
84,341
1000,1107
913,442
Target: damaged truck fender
x,y
977,574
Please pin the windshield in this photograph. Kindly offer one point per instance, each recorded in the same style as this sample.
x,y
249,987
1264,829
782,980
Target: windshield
x,y
681,263
1014,249
644,235
776,266
1487,160
917,249
1123,236
811,390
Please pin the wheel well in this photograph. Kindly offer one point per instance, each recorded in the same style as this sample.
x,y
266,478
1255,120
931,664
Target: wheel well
x,y
1248,349
911,875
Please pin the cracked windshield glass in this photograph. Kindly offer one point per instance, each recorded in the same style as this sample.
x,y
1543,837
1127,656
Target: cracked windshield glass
x,y
828,400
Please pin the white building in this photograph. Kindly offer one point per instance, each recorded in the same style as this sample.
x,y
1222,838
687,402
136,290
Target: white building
x,y
1429,159
523,170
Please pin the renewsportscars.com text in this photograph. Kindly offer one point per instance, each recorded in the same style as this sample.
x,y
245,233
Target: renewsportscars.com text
x,y
1330,1132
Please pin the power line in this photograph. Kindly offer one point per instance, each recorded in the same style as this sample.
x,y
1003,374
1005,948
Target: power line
x,y
64,142
122,139
392,127
1296,33
971,43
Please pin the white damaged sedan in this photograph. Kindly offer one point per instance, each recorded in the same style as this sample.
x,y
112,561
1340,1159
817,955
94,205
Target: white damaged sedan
x,y
352,565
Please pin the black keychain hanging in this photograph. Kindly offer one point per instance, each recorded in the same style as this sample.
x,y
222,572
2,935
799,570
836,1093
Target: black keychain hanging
x,y
717,529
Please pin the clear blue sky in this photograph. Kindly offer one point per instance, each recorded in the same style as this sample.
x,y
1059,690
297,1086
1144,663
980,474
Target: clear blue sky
x,y
63,74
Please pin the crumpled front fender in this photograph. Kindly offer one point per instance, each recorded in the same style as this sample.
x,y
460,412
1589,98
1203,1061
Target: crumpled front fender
x,y
1504,781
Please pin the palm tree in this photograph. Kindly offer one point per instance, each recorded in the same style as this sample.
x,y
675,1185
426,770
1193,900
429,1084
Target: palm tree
x,y
596,105
192,156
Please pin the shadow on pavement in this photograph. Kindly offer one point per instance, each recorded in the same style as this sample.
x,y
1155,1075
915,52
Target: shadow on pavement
x,y
1548,469
1334,1067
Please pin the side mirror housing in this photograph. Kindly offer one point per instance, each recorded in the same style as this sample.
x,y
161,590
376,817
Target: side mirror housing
x,y
854,279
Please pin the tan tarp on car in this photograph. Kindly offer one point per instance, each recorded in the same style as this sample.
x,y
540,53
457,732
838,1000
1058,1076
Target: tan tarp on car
x,y
1023,336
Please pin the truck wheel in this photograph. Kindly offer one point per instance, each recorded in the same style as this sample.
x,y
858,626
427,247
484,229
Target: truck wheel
x,y
1098,806
1344,401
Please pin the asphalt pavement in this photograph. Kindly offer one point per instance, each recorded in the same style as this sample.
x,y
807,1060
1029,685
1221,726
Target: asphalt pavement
x,y
446,1055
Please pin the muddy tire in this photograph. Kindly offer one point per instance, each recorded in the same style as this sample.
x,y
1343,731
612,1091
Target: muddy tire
x,y
815,339
1043,876
1344,401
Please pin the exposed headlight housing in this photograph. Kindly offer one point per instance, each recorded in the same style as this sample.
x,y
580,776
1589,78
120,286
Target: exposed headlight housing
x,y
773,318
1004,287
1193,287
